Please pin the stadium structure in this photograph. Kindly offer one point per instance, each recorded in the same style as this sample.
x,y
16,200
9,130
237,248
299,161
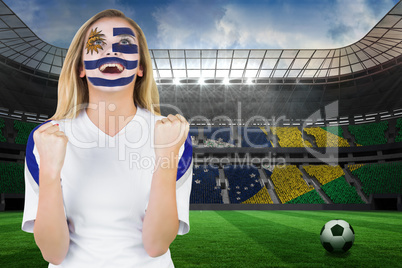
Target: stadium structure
x,y
271,128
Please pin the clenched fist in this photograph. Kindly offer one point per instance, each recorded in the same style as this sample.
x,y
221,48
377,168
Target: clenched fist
x,y
170,134
51,144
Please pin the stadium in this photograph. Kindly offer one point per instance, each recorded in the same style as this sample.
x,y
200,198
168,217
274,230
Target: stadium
x,y
279,136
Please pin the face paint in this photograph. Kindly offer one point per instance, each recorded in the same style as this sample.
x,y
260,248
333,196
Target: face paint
x,y
102,68
95,64
100,82
129,48
95,41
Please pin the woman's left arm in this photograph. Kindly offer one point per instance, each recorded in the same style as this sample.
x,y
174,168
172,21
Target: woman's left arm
x,y
161,221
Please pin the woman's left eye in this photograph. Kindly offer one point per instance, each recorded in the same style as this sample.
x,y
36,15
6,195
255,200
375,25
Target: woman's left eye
x,y
125,42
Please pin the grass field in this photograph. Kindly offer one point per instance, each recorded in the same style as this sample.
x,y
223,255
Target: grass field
x,y
250,239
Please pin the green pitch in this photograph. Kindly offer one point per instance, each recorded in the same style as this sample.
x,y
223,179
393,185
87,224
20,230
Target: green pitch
x,y
250,239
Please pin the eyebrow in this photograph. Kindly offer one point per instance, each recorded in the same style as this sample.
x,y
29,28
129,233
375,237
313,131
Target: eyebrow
x,y
123,31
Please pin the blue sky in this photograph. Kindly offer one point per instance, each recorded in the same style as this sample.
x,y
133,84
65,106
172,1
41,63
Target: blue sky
x,y
196,24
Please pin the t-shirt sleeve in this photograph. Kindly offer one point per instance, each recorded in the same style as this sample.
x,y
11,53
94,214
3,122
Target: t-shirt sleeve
x,y
31,176
183,185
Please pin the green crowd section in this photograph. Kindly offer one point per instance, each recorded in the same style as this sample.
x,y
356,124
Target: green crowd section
x,y
12,178
311,197
383,178
23,131
2,126
398,137
336,130
340,192
369,134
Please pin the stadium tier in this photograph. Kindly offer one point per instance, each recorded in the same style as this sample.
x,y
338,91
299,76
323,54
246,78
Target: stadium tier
x,y
2,125
244,183
326,137
380,178
333,184
369,134
290,137
12,178
398,137
23,130
205,189
254,137
289,183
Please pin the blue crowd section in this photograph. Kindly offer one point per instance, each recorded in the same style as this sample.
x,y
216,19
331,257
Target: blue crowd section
x,y
204,189
223,134
254,137
244,182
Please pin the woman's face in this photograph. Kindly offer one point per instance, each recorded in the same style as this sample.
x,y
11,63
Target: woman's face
x,y
111,55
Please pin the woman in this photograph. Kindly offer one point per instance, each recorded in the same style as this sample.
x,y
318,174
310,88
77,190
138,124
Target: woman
x,y
108,178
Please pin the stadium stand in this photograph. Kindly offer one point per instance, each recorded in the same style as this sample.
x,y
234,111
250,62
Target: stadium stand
x,y
398,137
380,178
12,178
326,138
290,137
244,182
2,127
23,130
311,197
254,137
204,187
218,137
289,183
369,134
340,192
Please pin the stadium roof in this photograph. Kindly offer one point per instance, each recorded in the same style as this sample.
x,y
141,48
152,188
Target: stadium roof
x,y
22,49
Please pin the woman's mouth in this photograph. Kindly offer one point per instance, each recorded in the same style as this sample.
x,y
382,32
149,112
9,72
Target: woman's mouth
x,y
111,68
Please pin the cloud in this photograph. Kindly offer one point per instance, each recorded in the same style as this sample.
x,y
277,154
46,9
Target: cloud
x,y
270,25
56,22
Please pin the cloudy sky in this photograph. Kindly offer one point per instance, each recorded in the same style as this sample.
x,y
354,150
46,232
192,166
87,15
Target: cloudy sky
x,y
196,24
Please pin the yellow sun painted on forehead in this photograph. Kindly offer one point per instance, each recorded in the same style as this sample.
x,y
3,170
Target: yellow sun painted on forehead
x,y
95,41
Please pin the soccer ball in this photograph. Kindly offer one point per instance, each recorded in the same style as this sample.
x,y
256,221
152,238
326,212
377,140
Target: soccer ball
x,y
337,236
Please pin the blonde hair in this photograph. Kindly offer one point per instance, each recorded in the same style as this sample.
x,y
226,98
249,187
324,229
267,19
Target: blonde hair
x,y
73,91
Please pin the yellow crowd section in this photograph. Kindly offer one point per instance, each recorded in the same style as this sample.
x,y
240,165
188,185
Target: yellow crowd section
x,y
324,138
289,183
355,166
324,173
262,197
290,137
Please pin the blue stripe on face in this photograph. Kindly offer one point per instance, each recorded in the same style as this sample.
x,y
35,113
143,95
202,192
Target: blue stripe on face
x,y
101,82
95,64
127,49
123,30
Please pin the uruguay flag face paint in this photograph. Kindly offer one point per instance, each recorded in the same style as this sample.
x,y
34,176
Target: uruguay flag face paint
x,y
111,54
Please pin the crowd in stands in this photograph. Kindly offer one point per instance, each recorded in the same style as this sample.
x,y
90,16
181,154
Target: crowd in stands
x,y
290,137
2,126
311,197
380,178
324,173
324,138
23,131
341,192
289,183
369,134
204,187
244,182
12,178
254,137
398,137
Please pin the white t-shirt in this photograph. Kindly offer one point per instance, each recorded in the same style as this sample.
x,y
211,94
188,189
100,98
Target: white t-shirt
x,y
106,182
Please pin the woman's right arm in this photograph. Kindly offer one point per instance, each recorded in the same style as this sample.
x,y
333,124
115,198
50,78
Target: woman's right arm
x,y
50,229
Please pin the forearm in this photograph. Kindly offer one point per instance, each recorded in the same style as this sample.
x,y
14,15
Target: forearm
x,y
50,229
161,222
